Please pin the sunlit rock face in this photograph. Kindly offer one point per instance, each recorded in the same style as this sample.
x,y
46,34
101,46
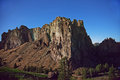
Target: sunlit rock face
x,y
35,33
49,44
15,37
70,39
60,33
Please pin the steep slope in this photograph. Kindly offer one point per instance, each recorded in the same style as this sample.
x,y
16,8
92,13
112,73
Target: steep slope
x,y
46,46
81,47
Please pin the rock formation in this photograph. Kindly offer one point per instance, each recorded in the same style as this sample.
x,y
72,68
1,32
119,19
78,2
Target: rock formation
x,y
47,45
15,37
108,52
56,40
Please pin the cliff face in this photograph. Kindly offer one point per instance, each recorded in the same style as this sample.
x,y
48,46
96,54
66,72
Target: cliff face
x,y
81,45
58,39
15,37
47,45
60,34
35,33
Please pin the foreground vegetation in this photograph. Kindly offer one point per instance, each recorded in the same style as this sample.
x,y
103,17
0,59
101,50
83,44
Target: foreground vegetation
x,y
100,72
15,74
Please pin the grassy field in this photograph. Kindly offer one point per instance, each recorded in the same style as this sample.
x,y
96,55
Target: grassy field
x,y
15,74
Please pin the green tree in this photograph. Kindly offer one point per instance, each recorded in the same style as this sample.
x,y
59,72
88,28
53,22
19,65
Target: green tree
x,y
84,73
98,68
64,70
91,72
111,73
106,67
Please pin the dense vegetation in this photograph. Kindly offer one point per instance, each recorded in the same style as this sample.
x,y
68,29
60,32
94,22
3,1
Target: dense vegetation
x,y
110,72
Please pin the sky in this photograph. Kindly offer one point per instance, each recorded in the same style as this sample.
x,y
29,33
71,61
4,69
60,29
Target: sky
x,y
101,17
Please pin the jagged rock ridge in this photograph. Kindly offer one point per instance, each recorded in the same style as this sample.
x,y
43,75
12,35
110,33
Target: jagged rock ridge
x,y
47,45
60,38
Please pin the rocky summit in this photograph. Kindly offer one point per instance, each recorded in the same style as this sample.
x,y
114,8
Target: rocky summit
x,y
46,46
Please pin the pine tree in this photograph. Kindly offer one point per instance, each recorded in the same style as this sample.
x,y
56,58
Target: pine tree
x,y
91,72
64,70
106,67
111,73
84,73
98,68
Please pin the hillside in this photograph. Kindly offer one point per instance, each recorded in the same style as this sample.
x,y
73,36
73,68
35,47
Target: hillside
x,y
46,46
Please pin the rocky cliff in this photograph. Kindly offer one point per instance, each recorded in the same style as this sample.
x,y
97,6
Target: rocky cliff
x,y
15,37
47,45
53,41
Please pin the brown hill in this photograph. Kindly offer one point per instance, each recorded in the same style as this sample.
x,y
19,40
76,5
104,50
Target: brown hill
x,y
108,52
